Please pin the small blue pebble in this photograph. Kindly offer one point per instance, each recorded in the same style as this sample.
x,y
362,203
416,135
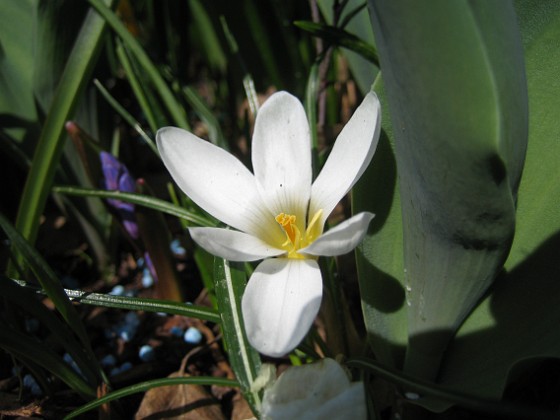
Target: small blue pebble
x,y
118,290
30,383
147,279
108,361
192,336
176,247
146,353
176,331
131,318
115,371
126,366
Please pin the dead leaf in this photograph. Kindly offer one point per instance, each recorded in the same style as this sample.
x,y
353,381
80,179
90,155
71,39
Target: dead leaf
x,y
185,402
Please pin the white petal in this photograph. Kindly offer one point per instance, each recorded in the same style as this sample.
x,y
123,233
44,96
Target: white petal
x,y
233,245
281,155
349,157
342,238
280,303
216,181
316,391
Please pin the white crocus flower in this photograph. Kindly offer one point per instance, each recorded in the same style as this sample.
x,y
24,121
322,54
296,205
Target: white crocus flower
x,y
316,391
276,212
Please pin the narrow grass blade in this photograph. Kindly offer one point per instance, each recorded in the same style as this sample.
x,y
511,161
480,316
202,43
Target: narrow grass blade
x,y
147,385
173,107
136,86
142,200
27,300
126,116
50,283
340,38
214,131
230,283
23,346
137,304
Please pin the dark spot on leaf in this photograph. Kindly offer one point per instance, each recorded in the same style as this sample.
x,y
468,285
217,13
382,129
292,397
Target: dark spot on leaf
x,y
497,168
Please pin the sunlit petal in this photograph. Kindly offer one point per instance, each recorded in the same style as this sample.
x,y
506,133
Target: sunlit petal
x,y
280,303
343,238
216,181
281,156
349,157
233,245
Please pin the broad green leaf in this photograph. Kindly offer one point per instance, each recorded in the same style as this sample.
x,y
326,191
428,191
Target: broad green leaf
x,y
17,107
455,83
538,211
517,316
229,286
50,146
380,256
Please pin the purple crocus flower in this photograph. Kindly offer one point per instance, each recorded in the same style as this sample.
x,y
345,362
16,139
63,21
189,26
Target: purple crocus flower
x,y
118,178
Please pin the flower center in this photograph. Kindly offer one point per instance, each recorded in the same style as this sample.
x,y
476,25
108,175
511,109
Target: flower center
x,y
294,239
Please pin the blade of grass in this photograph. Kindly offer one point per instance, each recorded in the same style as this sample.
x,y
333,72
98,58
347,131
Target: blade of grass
x,y
214,131
341,38
174,108
147,385
26,299
50,283
126,116
132,303
136,86
51,141
248,82
25,347
142,200
245,361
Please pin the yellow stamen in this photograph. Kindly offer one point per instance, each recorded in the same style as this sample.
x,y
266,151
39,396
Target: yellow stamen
x,y
294,239
288,223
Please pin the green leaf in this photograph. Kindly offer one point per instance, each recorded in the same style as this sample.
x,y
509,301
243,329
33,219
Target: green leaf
x,y
538,218
517,316
28,348
49,149
229,285
380,255
455,83
341,38
173,107
50,283
364,71
17,107
131,303
27,300
142,200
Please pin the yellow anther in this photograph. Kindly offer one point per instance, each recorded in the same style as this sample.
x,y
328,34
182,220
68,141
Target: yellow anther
x,y
288,223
